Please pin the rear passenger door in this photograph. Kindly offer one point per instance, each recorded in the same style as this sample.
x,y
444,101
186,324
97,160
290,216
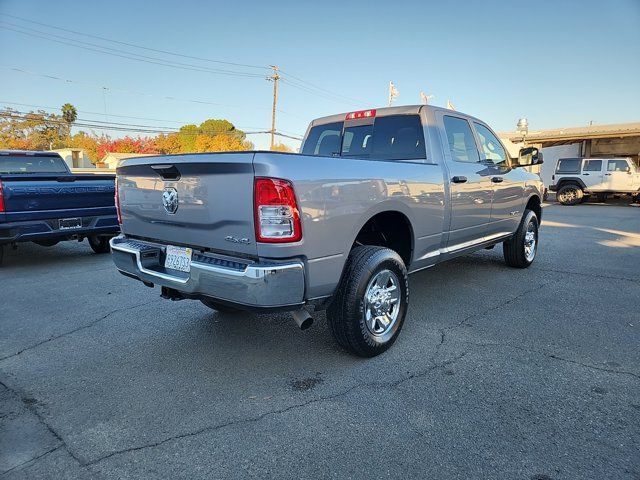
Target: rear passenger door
x,y
593,176
469,185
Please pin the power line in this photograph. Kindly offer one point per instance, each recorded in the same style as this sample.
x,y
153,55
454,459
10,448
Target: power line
x,y
135,45
293,80
329,92
124,54
134,92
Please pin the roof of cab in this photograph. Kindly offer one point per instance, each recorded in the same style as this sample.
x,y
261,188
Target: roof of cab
x,y
40,153
381,112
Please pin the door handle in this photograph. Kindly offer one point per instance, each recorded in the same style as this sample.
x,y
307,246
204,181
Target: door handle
x,y
586,174
497,179
608,174
459,179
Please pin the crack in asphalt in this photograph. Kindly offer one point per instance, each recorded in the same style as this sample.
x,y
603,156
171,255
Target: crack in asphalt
x,y
496,307
26,462
70,332
257,418
30,406
585,274
553,356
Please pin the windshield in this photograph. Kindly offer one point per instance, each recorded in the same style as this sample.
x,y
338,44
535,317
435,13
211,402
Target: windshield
x,y
392,137
32,164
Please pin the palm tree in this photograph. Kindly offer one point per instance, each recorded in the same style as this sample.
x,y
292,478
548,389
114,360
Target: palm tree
x,y
69,115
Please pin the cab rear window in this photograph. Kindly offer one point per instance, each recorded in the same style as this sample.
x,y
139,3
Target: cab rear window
x,y
392,137
31,164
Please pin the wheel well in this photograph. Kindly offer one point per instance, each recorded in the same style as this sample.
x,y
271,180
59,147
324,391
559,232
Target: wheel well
x,y
571,181
534,204
388,229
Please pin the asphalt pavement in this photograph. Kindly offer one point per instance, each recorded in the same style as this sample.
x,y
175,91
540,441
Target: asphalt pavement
x,y
498,373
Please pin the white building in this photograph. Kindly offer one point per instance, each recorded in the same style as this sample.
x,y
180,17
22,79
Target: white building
x,y
111,159
75,157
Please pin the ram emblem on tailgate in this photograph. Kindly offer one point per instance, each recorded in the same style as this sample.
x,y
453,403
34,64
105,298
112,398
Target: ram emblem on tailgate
x,y
170,200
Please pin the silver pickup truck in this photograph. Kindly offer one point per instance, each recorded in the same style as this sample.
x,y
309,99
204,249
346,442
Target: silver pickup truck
x,y
373,196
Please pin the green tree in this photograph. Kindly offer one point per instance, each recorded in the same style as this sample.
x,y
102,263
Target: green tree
x,y
187,136
213,127
34,130
69,115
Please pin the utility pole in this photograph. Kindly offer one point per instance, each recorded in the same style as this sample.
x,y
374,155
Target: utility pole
x,y
274,78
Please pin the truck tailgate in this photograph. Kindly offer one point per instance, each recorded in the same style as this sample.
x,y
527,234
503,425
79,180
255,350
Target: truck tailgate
x,y
199,200
36,196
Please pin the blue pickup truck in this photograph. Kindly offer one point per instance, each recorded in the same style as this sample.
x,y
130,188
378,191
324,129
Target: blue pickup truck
x,y
42,201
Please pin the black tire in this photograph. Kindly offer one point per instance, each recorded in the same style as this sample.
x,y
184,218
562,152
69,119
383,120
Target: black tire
x,y
99,244
347,312
515,249
1,255
570,194
213,305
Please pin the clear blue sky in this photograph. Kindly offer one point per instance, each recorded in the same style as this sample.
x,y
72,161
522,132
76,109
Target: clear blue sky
x,y
559,63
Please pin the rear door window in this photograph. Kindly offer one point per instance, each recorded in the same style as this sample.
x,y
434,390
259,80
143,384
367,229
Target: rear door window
x,y
569,165
592,166
462,145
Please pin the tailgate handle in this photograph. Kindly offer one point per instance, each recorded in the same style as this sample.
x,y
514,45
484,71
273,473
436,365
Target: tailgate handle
x,y
167,172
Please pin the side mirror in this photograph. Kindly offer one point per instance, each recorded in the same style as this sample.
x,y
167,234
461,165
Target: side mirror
x,y
529,156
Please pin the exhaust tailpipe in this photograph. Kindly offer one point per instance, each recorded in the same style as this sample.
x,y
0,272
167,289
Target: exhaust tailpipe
x,y
302,318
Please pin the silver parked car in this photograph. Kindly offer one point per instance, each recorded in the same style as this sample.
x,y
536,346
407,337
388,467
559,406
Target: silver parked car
x,y
373,196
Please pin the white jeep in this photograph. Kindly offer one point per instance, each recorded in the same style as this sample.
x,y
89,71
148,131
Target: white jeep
x,y
575,179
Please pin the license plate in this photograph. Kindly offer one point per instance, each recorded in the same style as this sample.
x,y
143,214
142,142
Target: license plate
x,y
178,258
69,223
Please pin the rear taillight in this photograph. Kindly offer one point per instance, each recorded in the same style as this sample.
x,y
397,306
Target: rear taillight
x,y
277,218
1,198
117,200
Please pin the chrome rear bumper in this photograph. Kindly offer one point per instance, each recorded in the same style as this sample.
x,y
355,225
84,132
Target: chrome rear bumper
x,y
234,280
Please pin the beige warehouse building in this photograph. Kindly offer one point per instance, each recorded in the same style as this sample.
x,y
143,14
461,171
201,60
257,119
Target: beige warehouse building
x,y
600,141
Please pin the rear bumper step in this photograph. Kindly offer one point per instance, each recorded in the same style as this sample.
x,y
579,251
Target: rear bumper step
x,y
237,281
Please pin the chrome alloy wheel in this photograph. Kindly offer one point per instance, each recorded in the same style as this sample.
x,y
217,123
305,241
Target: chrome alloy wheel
x,y
382,302
530,241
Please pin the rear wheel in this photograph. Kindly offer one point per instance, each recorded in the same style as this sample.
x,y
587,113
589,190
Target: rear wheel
x,y
368,310
99,244
570,194
520,250
219,306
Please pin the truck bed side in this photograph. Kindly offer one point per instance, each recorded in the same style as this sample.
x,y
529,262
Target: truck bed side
x,y
337,196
